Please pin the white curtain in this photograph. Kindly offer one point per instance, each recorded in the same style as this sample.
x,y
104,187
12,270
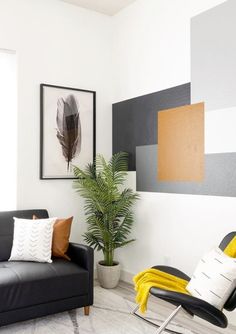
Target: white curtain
x,y
8,130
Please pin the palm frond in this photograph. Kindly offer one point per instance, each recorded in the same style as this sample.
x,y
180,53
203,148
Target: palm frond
x,y
108,208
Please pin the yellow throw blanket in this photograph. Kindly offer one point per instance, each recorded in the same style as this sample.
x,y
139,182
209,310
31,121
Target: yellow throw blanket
x,y
230,250
149,278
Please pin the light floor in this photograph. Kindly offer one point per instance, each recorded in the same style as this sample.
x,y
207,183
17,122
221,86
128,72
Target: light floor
x,y
162,309
111,314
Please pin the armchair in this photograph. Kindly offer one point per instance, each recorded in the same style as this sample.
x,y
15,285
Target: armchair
x,y
192,305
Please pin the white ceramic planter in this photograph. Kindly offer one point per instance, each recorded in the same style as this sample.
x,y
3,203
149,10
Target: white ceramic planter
x,y
108,276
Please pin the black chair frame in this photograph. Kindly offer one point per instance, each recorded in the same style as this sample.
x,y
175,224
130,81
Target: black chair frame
x,y
191,305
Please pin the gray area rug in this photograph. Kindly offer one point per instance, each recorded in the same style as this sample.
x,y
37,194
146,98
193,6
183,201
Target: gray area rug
x,y
109,315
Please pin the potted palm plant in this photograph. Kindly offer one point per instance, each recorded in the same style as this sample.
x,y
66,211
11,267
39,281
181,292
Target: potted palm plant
x,y
108,210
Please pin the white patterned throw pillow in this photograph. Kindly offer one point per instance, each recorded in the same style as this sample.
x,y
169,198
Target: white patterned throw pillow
x,y
32,240
214,278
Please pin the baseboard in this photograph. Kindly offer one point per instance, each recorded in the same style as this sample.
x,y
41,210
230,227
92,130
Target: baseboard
x,y
127,276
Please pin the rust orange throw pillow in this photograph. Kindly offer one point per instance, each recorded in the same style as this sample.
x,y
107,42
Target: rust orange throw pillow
x,y
60,237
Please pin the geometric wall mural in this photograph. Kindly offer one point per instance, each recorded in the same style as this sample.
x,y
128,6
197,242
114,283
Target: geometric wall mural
x,y
134,121
181,143
159,153
220,130
219,175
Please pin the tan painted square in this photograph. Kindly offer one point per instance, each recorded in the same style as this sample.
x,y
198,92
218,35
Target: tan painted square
x,y
181,143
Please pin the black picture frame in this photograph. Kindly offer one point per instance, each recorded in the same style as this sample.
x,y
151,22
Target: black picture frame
x,y
87,95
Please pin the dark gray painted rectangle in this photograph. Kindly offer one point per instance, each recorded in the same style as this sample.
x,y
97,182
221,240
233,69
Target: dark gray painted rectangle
x,y
219,180
134,121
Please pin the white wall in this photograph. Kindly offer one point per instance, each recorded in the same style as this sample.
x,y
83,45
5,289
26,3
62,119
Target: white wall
x,y
8,130
60,44
151,52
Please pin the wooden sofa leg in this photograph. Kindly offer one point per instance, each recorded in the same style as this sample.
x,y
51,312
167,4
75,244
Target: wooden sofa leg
x,y
86,310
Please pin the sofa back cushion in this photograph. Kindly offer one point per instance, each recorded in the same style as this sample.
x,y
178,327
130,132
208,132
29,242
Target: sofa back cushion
x,y
7,228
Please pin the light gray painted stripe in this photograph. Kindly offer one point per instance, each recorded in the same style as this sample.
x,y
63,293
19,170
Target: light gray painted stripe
x,y
220,175
213,54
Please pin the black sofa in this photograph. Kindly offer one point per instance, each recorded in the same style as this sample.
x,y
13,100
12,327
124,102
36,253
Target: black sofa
x,y
29,290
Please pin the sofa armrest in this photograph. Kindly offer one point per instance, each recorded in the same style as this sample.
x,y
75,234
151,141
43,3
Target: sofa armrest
x,y
83,256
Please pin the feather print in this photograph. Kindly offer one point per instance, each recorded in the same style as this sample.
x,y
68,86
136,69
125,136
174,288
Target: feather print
x,y
68,127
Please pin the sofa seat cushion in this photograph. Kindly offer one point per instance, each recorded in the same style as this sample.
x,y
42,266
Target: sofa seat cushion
x,y
25,284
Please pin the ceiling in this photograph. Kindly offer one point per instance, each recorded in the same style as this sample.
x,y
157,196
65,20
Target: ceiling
x,y
108,7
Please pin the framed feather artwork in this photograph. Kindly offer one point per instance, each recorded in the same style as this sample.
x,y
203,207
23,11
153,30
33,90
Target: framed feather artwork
x,y
67,130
